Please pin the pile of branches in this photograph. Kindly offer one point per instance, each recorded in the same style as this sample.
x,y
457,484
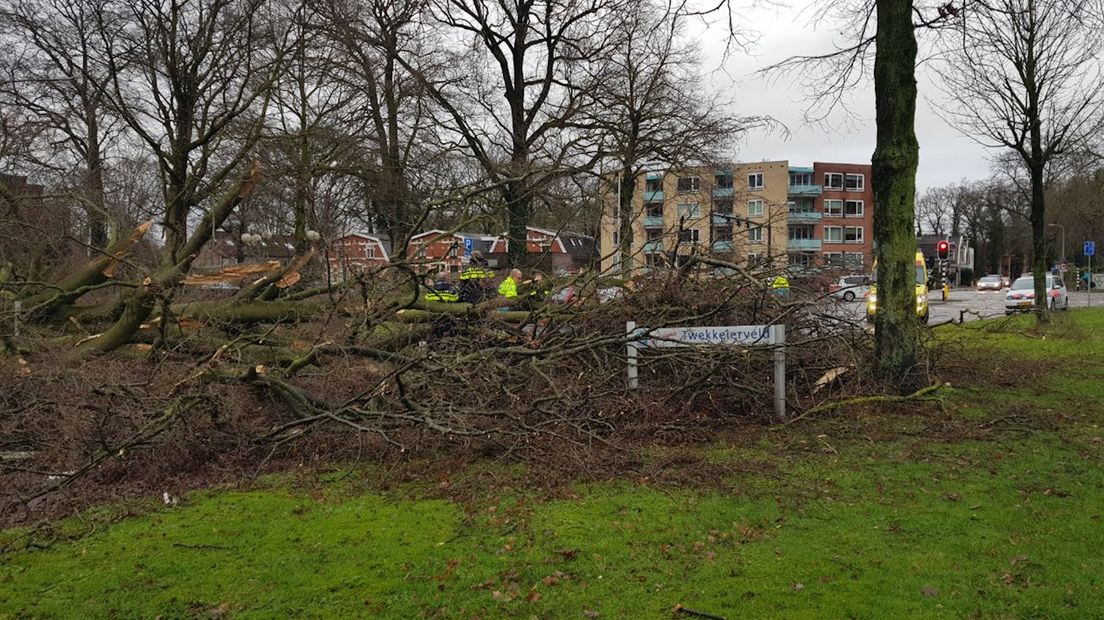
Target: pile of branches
x,y
370,370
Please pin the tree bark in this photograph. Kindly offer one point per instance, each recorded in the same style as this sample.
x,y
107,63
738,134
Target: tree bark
x,y
896,156
1038,245
626,179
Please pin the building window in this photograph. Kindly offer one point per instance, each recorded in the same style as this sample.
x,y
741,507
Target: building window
x,y
852,234
688,235
655,210
755,180
833,234
801,178
853,260
801,232
654,260
833,180
833,259
800,259
653,233
754,259
755,208
755,235
723,207
653,185
722,233
370,251
689,184
853,208
453,251
689,211
833,208
724,180
616,237
854,182
804,205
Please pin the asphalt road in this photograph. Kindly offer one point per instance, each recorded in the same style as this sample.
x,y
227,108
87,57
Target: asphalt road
x,y
971,305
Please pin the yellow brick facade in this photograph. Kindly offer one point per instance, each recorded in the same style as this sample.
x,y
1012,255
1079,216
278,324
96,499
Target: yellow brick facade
x,y
737,212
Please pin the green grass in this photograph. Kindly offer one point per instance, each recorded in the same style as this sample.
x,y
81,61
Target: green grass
x,y
813,521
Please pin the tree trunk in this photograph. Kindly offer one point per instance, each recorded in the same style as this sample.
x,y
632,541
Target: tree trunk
x,y
98,234
628,185
139,304
896,156
1038,245
519,209
48,304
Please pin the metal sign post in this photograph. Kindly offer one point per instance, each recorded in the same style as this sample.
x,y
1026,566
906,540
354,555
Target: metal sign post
x,y
1090,249
739,335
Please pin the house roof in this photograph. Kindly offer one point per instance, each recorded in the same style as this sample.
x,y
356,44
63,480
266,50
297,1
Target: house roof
x,y
385,246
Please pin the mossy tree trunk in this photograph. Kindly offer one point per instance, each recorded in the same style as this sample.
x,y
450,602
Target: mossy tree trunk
x,y
896,156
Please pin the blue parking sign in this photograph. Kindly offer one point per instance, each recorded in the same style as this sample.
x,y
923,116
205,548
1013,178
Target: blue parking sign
x,y
469,245
1090,248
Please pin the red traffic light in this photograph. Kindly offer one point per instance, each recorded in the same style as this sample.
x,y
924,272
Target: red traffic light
x,y
944,250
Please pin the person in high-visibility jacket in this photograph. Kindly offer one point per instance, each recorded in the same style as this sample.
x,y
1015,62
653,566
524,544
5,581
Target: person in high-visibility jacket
x,y
443,289
509,287
780,285
475,281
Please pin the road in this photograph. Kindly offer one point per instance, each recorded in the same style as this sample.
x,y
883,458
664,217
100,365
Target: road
x,y
971,305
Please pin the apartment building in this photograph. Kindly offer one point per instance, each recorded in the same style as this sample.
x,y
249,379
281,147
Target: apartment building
x,y
749,213
831,216
737,212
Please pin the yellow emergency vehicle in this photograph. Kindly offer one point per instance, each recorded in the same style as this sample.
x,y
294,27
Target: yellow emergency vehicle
x,y
921,291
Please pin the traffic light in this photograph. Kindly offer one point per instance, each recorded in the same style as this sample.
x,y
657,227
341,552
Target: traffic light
x,y
943,250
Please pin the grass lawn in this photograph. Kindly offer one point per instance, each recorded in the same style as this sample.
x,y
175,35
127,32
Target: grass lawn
x,y
991,508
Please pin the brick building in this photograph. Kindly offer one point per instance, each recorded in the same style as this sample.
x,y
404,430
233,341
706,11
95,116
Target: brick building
x,y
737,211
355,253
831,216
750,213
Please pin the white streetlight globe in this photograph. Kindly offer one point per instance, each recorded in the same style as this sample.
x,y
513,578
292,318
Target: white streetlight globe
x,y
312,235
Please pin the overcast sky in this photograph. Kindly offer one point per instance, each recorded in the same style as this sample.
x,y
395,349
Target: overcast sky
x,y
945,155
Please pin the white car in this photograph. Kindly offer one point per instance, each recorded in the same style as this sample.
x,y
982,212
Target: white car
x,y
849,288
990,283
1021,295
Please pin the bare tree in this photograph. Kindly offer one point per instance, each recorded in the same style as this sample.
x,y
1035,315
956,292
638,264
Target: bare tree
x,y
535,50
58,79
187,80
652,103
391,109
1025,75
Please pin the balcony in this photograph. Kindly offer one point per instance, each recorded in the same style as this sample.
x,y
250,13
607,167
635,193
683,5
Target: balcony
x,y
653,247
803,245
722,192
805,190
653,195
653,221
811,217
722,246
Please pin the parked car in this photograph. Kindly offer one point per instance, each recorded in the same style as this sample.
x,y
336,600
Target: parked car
x,y
850,288
1021,295
990,283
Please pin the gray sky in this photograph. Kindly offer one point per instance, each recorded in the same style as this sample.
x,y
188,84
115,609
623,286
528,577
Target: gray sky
x,y
945,155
